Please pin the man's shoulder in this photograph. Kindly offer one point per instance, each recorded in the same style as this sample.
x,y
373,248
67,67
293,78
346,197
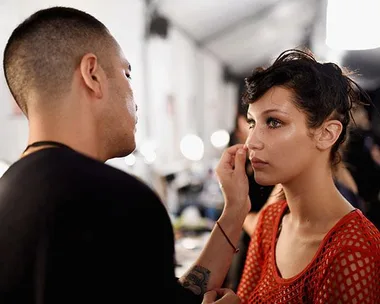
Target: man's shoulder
x,y
63,168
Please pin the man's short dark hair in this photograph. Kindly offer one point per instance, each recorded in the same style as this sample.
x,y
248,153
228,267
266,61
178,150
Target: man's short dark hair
x,y
43,52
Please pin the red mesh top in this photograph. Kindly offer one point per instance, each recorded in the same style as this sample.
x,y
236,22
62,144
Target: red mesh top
x,y
345,269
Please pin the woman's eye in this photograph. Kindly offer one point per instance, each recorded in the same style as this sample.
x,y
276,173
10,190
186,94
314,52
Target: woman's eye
x,y
251,123
273,123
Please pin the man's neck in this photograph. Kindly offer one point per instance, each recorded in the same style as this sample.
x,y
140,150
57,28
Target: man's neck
x,y
81,138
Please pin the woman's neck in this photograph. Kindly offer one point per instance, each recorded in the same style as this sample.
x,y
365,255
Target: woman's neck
x,y
314,200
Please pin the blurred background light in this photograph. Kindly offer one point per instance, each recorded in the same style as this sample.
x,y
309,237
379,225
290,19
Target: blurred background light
x,y
150,157
130,160
219,139
148,151
192,147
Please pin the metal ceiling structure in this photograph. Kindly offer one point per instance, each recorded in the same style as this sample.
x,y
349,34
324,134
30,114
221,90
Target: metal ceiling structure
x,y
244,33
247,33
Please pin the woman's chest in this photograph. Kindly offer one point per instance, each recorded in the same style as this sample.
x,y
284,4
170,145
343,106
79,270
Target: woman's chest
x,y
294,255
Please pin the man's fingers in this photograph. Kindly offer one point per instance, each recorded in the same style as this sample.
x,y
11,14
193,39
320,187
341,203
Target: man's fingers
x,y
223,291
226,295
209,297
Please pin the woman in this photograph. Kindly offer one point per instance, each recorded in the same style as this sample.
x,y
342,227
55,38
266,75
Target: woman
x,y
314,246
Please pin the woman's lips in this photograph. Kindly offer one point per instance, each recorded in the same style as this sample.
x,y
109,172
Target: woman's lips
x,y
257,163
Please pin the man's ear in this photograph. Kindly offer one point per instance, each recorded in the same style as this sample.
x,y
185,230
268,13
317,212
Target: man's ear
x,y
92,74
328,134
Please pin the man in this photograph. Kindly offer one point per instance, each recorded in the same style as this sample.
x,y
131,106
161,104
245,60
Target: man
x,y
73,229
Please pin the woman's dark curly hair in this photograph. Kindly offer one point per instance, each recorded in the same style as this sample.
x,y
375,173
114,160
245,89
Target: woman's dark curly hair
x,y
321,90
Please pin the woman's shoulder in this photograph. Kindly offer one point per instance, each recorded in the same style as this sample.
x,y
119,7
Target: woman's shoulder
x,y
272,211
269,218
354,233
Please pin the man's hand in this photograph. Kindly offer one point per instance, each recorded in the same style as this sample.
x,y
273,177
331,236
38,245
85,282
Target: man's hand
x,y
224,296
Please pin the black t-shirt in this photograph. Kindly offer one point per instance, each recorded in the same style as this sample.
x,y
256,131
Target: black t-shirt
x,y
75,230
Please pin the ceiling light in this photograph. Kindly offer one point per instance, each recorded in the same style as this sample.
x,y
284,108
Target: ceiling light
x,y
352,24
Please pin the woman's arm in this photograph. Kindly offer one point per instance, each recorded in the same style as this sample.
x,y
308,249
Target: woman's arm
x,y
209,270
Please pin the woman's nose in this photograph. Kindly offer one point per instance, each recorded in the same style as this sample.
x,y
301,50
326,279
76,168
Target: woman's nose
x,y
253,141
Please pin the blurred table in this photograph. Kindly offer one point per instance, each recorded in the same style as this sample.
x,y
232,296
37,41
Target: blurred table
x,y
188,247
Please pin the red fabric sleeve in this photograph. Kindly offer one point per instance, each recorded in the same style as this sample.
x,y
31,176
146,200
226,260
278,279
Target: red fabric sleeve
x,y
353,276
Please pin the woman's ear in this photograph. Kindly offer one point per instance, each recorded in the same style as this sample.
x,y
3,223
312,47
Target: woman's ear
x,y
328,134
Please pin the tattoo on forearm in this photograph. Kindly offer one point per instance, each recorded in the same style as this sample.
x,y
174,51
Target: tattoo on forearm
x,y
197,279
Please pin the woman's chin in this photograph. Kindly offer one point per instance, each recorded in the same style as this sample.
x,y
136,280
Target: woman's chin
x,y
264,180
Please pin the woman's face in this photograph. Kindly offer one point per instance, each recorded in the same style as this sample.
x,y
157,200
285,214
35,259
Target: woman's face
x,y
279,142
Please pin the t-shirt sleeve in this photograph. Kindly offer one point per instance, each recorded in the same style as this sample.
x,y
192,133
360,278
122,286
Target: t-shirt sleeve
x,y
153,242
